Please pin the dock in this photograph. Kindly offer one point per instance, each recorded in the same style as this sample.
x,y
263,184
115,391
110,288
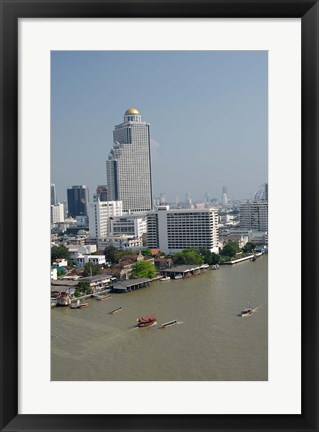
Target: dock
x,y
246,258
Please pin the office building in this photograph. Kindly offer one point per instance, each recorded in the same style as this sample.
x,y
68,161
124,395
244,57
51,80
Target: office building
x,y
128,167
100,214
53,194
101,190
131,225
78,201
57,213
177,229
224,195
253,215
262,194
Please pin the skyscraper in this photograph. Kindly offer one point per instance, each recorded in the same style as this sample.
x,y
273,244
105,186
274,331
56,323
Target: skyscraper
x,y
78,200
101,190
53,194
128,168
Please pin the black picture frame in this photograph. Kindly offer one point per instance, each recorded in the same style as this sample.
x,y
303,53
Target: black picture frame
x,y
11,11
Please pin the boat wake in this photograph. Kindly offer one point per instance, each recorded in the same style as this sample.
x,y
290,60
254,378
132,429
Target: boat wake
x,y
258,307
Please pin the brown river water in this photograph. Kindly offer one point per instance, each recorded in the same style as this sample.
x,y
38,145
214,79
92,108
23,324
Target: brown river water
x,y
211,342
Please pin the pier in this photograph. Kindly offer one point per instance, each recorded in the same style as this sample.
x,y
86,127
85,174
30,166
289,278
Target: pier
x,y
184,270
246,258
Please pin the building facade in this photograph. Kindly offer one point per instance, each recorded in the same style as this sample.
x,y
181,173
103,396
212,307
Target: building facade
x,y
78,201
253,215
100,214
57,213
101,190
128,168
178,229
131,225
53,194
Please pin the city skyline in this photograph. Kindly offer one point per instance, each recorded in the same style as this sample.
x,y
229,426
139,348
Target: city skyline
x,y
207,113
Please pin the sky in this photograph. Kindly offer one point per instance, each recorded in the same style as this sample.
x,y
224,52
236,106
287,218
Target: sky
x,y
208,112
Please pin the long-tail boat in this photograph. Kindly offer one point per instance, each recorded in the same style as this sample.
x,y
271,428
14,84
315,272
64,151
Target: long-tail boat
x,y
146,321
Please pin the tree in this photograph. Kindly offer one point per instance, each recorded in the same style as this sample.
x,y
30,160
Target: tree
x,y
215,258
230,249
91,269
59,252
143,269
249,247
146,252
113,254
84,287
188,256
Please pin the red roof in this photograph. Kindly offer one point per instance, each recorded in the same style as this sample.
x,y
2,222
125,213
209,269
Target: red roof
x,y
147,318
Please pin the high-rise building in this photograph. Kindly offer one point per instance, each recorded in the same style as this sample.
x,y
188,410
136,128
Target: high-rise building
x,y
101,190
100,214
177,229
262,194
253,215
128,167
53,194
57,213
224,195
78,201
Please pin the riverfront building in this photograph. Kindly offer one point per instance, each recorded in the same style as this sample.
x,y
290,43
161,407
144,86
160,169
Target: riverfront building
x,y
78,201
100,214
178,229
128,168
253,215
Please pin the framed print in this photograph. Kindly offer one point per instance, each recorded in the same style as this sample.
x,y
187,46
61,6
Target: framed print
x,y
216,97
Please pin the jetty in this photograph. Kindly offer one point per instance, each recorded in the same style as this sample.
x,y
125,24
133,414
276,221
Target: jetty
x,y
184,271
238,260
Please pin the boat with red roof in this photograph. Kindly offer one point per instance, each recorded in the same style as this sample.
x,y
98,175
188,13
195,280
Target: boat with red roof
x,y
146,321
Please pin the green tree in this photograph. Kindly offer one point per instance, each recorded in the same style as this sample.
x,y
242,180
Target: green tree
x,y
146,252
113,254
59,252
188,256
215,258
91,269
77,293
249,247
230,249
143,269
84,287
207,255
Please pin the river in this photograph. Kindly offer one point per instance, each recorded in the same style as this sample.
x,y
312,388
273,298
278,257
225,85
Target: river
x,y
211,342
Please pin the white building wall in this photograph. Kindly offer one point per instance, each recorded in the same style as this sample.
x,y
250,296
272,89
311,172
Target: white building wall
x,y
100,213
57,213
175,230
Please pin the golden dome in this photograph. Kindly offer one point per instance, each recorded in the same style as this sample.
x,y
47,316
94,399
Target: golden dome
x,y
132,111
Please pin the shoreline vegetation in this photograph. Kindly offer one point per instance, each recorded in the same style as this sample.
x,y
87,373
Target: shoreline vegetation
x,y
146,266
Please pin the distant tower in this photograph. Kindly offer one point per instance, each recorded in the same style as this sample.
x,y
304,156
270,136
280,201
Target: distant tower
x,y
128,167
262,194
162,199
78,201
224,195
53,194
101,191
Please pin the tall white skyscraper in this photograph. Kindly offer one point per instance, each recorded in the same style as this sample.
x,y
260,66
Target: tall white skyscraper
x,y
128,168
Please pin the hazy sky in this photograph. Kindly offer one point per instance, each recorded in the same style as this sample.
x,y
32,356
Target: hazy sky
x,y
208,112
